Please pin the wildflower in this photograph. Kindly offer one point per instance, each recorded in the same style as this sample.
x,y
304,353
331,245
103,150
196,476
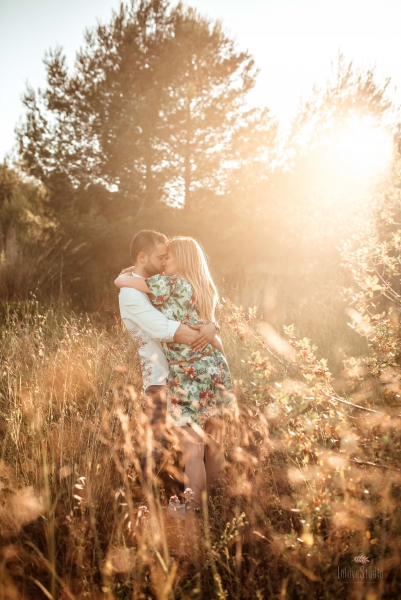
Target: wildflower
x,y
143,512
176,508
189,495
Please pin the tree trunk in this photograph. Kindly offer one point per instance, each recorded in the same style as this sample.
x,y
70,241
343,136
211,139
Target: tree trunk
x,y
187,157
149,198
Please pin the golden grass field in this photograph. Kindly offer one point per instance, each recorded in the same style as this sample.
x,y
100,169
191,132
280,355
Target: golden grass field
x,y
310,482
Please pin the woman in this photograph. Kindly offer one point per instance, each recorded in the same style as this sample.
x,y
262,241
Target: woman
x,y
199,384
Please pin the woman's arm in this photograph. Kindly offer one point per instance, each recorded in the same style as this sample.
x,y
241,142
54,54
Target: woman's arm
x,y
128,270
138,283
218,344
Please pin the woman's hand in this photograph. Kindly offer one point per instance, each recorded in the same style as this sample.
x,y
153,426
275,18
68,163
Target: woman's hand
x,y
128,270
138,283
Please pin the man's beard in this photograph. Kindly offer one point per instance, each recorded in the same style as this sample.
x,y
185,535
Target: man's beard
x,y
150,269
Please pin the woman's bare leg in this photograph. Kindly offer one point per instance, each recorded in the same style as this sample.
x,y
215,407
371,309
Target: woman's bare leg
x,y
192,447
214,452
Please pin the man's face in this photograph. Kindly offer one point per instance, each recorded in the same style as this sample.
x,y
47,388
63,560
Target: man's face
x,y
156,260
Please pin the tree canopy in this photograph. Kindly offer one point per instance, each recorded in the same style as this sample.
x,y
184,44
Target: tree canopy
x,y
150,113
152,129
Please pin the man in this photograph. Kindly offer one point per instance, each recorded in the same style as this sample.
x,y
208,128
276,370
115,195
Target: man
x,y
150,327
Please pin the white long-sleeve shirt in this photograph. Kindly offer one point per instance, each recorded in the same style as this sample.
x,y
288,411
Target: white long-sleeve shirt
x,y
149,327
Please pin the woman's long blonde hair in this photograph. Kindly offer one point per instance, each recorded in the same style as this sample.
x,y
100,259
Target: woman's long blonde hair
x,y
192,265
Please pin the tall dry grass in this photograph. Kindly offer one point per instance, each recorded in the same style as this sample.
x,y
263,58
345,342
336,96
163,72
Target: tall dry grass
x,y
312,479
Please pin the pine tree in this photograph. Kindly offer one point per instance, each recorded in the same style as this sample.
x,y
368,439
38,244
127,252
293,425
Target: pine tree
x,y
152,118
151,111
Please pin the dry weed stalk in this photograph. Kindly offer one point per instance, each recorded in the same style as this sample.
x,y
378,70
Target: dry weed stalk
x,y
303,489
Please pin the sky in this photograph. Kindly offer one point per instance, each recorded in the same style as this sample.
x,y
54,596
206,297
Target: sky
x,y
294,43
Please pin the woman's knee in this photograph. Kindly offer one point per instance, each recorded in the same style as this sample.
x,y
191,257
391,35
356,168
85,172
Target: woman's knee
x,y
191,444
214,431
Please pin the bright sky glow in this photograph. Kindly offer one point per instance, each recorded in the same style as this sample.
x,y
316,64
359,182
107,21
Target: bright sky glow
x,y
362,152
293,42
344,167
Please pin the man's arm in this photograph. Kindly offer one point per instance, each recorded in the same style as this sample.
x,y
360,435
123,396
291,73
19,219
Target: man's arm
x,y
147,317
137,308
197,338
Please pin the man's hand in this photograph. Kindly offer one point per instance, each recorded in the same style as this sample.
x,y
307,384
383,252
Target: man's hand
x,y
206,335
127,271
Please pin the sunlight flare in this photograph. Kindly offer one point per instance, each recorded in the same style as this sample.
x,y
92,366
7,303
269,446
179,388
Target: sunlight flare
x,y
361,152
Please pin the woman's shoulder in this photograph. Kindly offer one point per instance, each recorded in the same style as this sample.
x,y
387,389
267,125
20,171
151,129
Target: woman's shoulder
x,y
170,285
183,285
169,279
174,281
181,280
182,292
162,281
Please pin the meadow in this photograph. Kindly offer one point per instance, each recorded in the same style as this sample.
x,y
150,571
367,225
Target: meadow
x,y
311,482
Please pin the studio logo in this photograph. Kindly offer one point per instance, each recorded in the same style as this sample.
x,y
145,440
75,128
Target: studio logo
x,y
363,572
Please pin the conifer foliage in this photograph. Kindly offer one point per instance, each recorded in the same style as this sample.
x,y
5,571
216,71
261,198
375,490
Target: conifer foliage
x,y
150,111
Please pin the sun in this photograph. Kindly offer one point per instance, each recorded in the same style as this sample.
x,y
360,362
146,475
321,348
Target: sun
x,y
361,152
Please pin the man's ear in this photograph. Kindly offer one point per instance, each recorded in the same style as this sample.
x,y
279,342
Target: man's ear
x,y
142,257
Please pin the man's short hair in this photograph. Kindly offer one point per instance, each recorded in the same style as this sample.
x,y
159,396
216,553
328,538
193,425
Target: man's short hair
x,y
145,241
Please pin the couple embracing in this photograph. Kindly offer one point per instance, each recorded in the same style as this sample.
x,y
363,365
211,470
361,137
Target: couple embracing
x,y
167,303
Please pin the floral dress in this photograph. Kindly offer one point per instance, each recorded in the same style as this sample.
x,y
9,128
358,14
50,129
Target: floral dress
x,y
199,383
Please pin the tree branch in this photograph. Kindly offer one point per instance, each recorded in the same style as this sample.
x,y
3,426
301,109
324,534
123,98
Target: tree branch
x,y
371,410
372,464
